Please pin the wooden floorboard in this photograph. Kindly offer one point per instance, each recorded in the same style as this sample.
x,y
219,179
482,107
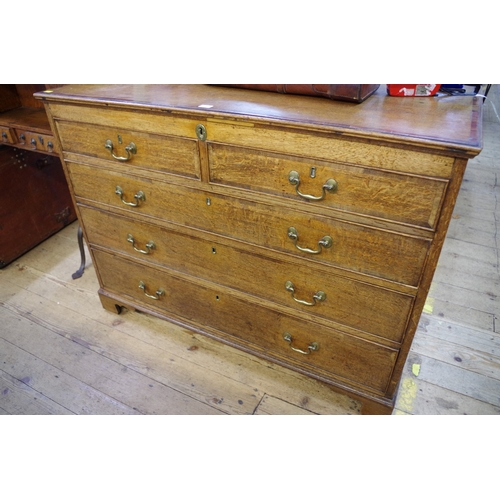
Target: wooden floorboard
x,y
62,353
454,364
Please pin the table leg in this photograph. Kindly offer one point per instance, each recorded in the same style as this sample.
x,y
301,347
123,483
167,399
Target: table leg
x,y
79,273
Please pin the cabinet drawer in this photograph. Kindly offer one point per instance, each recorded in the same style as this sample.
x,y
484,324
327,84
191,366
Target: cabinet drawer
x,y
363,249
373,309
261,329
36,142
168,154
7,135
325,146
388,195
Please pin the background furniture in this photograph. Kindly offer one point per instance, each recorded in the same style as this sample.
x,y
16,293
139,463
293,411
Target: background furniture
x,y
303,231
35,202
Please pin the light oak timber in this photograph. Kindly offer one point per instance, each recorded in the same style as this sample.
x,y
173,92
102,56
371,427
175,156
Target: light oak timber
x,y
360,121
165,154
403,198
255,274
359,248
151,175
377,247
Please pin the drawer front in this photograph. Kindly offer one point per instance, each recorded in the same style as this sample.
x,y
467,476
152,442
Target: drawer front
x,y
384,254
135,149
36,142
373,309
261,328
7,135
397,197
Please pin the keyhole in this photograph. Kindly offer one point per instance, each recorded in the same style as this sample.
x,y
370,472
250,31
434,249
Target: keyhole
x,y
214,251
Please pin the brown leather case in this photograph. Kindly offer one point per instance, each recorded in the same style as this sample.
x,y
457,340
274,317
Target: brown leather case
x,y
35,201
343,92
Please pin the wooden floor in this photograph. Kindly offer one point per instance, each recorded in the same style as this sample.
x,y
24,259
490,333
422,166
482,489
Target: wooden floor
x,y
62,353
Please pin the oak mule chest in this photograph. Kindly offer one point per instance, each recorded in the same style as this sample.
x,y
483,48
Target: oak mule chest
x,y
301,230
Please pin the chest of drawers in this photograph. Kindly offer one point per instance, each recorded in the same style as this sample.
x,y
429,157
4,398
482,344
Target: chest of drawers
x,y
302,231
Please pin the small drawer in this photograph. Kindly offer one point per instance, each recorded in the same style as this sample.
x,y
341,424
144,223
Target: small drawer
x,y
167,154
7,135
266,330
328,146
377,193
36,142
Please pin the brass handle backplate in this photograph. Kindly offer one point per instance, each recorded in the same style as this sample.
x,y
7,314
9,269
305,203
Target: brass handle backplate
x,y
325,242
139,196
313,346
157,294
130,149
149,246
317,297
330,186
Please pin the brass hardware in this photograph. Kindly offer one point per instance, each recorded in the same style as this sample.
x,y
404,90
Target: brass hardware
x,y
22,137
131,149
149,246
40,139
325,242
157,295
201,132
209,201
120,141
313,172
33,143
317,297
313,346
50,146
214,250
329,186
4,136
140,196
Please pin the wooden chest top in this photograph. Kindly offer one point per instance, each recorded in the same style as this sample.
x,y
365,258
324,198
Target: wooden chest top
x,y
447,123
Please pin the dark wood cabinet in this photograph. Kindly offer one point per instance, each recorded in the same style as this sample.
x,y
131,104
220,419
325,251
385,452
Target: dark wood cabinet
x,y
36,201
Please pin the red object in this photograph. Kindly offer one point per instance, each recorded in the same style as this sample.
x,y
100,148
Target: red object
x,y
412,89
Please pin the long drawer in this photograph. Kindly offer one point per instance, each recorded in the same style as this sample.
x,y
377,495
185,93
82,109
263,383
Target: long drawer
x,y
259,328
356,247
373,309
388,195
